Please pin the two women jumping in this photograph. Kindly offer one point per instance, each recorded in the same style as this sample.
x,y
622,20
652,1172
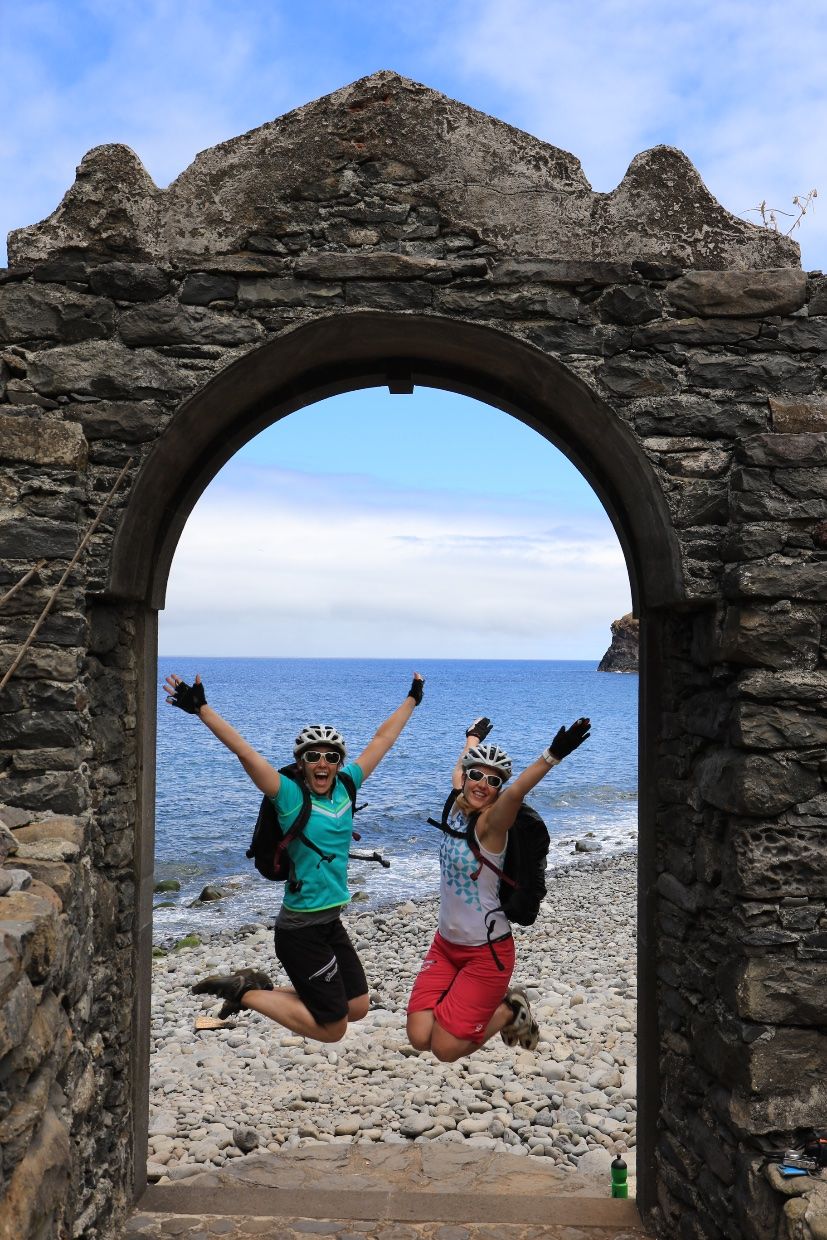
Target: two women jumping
x,y
461,997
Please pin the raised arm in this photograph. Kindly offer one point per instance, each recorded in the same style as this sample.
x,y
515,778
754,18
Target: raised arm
x,y
191,698
388,733
494,823
475,734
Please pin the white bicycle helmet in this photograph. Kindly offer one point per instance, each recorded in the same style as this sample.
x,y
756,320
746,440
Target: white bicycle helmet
x,y
318,736
488,755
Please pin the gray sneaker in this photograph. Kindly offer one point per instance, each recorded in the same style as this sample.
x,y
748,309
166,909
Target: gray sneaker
x,y
523,1031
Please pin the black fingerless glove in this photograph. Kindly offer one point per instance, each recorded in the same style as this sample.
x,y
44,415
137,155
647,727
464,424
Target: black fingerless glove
x,y
189,697
568,739
480,727
415,690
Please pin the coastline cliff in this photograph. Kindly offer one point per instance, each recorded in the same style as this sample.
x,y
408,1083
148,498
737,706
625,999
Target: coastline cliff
x,y
622,655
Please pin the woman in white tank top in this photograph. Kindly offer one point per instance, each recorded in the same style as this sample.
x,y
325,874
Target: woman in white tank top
x,y
461,996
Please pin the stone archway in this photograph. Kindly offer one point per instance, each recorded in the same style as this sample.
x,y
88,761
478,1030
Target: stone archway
x,y
388,235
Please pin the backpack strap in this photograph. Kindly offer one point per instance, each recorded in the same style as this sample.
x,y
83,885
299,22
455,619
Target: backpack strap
x,y
470,838
297,829
443,823
471,841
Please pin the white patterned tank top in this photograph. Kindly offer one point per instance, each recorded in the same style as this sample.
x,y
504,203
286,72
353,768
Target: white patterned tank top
x,y
469,906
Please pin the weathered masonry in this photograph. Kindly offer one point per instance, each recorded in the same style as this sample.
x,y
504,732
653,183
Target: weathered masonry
x,y
387,235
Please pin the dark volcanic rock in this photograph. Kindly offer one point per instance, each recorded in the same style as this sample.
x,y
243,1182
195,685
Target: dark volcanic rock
x,y
622,655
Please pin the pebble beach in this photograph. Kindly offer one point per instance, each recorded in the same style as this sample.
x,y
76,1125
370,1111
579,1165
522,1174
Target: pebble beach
x,y
218,1094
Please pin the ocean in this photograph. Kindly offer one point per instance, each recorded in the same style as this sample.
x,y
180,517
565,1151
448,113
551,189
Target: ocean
x,y
206,805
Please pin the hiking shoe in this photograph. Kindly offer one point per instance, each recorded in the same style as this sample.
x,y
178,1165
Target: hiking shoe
x,y
231,987
523,1030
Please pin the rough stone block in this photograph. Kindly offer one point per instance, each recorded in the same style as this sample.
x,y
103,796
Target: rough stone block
x,y
776,727
377,266
270,291
741,294
808,687
19,1004
59,830
725,419
639,375
42,442
802,335
777,451
127,421
630,304
562,337
202,287
560,271
703,332
507,303
11,961
41,728
776,990
129,281
169,324
110,371
749,375
760,1112
366,293
32,312
62,879
753,784
777,578
43,662
699,502
766,860
780,636
36,1196
64,792
30,539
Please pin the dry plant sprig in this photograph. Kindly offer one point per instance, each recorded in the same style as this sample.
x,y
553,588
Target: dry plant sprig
x,y
769,215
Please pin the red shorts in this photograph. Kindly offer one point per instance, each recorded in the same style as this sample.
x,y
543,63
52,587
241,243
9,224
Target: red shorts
x,y
462,985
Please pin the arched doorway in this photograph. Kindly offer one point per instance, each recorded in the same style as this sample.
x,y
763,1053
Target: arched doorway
x,y
361,350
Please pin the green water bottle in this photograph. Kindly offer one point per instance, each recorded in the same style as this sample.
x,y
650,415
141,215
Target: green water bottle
x,y
620,1188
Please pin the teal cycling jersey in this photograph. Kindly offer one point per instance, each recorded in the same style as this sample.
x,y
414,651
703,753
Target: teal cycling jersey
x,y
330,827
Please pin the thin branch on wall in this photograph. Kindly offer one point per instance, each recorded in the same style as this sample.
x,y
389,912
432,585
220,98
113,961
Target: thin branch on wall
x,y
51,599
21,582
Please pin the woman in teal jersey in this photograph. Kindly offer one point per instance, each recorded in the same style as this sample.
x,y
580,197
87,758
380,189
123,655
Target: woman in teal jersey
x,y
329,987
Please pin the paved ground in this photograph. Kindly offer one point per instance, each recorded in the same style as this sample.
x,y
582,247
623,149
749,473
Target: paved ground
x,y
413,1192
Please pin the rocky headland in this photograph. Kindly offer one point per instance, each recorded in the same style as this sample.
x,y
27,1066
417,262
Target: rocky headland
x,y
622,655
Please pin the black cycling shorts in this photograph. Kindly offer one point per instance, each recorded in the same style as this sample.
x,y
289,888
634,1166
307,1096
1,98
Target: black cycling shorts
x,y
323,968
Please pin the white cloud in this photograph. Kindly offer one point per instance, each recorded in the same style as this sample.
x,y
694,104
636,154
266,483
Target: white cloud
x,y
281,564
739,87
167,79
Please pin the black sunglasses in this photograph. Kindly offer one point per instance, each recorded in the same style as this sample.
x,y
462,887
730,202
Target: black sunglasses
x,y
493,781
330,755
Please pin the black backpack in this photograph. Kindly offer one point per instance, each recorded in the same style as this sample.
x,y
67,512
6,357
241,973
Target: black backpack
x,y
268,847
523,876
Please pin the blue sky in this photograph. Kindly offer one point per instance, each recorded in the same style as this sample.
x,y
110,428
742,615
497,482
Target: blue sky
x,y
740,87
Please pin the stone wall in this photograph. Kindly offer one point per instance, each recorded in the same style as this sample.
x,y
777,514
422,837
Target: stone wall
x,y
648,327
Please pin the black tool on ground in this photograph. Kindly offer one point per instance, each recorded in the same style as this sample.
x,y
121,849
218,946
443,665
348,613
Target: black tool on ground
x,y
816,1148
369,856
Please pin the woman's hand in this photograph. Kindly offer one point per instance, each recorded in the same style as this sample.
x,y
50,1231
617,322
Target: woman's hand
x,y
187,697
479,728
417,685
569,739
